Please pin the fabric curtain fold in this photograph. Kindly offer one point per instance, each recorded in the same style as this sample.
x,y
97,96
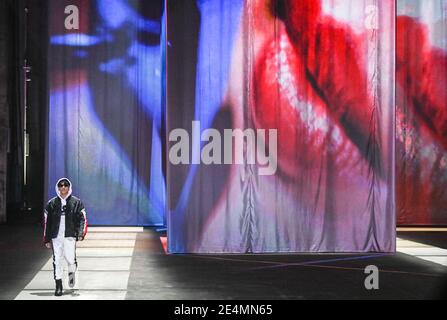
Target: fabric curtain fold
x,y
421,112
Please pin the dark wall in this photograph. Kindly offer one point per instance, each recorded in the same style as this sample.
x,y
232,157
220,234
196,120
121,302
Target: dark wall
x,y
4,114
36,54
24,29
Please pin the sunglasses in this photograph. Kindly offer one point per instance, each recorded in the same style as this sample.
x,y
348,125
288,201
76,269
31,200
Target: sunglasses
x,y
63,185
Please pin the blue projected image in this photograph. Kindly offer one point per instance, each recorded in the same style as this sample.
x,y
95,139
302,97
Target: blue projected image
x,y
107,107
210,92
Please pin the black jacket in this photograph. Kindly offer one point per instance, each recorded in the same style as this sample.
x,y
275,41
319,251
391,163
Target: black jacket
x,y
75,218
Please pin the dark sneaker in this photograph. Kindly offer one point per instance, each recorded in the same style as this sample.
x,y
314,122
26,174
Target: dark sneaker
x,y
59,289
71,279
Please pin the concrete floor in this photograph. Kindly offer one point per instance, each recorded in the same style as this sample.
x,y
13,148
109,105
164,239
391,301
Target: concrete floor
x,y
104,262
130,263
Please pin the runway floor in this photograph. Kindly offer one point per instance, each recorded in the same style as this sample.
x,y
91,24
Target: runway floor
x,y
130,263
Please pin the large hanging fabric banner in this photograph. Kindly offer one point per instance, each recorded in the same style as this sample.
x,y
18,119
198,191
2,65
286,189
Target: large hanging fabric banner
x,y
106,72
421,115
281,126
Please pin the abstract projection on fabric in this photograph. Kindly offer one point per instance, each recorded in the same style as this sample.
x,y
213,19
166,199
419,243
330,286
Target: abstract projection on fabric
x,y
106,107
253,125
281,126
421,112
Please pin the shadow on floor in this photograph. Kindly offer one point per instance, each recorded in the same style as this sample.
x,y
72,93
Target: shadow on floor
x,y
155,275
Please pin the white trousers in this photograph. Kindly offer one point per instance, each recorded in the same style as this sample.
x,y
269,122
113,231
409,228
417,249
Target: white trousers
x,y
63,248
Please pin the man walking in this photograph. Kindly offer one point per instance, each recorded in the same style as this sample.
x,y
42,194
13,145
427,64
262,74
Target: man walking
x,y
65,223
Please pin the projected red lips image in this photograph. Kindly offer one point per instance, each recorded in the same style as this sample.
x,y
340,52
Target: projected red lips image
x,y
312,74
421,116
421,71
285,100
310,86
